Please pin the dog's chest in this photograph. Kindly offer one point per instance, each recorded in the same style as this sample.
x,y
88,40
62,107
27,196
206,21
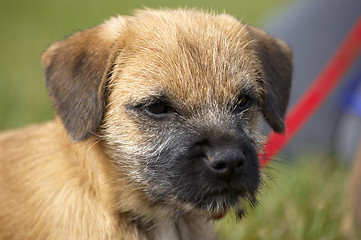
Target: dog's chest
x,y
167,231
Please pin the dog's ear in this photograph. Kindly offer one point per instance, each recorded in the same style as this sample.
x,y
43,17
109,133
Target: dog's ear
x,y
76,71
276,60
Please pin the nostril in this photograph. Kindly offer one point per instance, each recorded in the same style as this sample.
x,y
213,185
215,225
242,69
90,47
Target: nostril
x,y
240,163
219,165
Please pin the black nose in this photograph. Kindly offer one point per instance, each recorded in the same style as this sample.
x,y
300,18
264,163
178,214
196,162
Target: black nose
x,y
226,163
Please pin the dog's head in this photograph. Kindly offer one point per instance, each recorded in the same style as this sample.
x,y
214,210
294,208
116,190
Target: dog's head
x,y
176,98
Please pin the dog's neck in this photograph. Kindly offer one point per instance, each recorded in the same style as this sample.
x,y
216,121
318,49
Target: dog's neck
x,y
162,230
167,231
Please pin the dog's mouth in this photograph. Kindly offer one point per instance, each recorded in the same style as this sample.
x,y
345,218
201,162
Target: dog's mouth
x,y
213,204
240,209
209,197
218,215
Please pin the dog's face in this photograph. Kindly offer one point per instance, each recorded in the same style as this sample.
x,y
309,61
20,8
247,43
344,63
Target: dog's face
x,y
176,97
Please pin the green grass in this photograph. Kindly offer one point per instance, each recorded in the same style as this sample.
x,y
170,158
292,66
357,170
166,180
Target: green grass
x,y
305,201
28,27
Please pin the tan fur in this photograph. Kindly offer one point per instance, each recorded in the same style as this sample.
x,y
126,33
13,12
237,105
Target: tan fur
x,y
62,194
66,179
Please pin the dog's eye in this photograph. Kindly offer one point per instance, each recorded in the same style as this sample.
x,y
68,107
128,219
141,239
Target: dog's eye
x,y
242,104
157,109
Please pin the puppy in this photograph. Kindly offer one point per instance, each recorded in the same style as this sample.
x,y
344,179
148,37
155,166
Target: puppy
x,y
157,129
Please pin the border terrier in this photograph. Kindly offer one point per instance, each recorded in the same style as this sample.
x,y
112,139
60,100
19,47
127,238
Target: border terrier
x,y
157,129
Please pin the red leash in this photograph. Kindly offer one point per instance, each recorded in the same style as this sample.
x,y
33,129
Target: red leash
x,y
326,81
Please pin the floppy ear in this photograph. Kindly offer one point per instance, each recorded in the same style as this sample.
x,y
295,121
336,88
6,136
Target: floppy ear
x,y
76,71
276,60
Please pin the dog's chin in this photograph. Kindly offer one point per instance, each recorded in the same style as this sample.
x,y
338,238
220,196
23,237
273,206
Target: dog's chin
x,y
215,206
219,207
221,204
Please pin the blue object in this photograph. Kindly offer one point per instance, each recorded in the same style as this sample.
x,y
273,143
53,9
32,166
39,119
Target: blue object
x,y
352,97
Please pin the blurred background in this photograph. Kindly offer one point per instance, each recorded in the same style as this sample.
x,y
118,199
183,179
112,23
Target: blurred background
x,y
305,194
